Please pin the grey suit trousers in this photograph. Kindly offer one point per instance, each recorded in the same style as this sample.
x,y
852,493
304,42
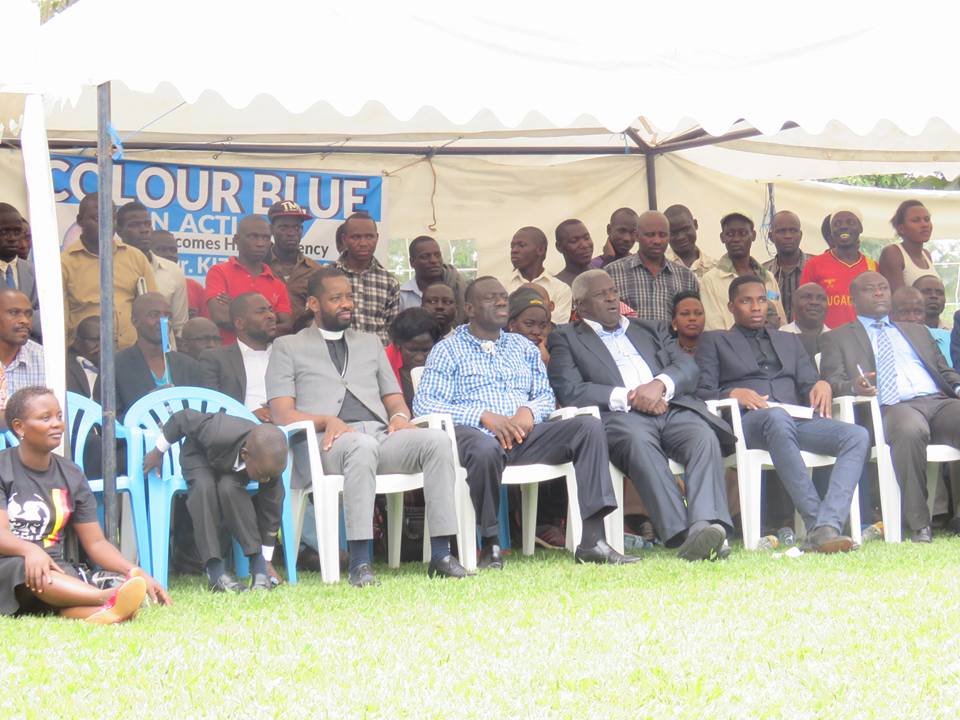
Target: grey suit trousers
x,y
640,445
359,456
252,520
909,427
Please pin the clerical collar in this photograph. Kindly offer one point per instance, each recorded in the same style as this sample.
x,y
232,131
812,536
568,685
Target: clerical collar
x,y
331,334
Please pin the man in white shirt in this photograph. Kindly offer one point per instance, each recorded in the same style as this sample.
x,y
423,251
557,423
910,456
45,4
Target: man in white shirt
x,y
528,250
240,369
133,227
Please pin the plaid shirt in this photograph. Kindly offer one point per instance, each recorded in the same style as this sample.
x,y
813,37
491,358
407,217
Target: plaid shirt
x,y
651,296
26,369
788,280
376,297
465,380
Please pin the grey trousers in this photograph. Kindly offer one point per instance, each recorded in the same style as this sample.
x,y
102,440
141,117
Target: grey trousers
x,y
640,445
252,520
359,456
909,427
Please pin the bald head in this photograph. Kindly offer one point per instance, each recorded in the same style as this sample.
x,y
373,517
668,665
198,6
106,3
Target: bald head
x,y
870,294
810,306
786,233
654,233
907,305
265,453
253,239
198,334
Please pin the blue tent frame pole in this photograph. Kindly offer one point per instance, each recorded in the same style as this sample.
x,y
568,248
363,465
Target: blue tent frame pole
x,y
108,386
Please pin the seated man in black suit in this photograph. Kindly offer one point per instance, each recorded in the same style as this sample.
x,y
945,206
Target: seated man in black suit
x,y
144,367
83,358
223,453
240,368
643,383
903,367
754,365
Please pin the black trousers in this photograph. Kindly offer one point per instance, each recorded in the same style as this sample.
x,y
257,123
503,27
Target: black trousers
x,y
640,445
579,440
253,520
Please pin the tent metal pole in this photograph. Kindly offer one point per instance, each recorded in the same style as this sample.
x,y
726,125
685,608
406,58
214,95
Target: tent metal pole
x,y
108,387
651,181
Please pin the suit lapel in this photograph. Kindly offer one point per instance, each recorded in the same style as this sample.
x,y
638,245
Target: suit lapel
x,y
641,341
595,345
861,335
235,359
779,343
741,348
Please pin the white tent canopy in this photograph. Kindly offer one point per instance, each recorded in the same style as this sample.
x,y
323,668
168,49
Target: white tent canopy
x,y
612,76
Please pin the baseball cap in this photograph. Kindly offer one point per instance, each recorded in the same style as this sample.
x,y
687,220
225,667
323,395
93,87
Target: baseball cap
x,y
524,298
288,208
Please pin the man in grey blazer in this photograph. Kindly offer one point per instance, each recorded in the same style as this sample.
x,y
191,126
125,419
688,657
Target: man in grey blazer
x,y
643,384
240,368
917,389
340,379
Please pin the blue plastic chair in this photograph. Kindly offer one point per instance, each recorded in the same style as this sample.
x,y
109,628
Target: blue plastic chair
x,y
149,414
83,415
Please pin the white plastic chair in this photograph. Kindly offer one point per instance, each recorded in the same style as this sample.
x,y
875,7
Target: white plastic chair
x,y
750,464
880,453
326,489
529,477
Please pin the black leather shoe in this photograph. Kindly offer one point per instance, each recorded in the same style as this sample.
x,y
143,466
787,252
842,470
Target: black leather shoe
x,y
225,584
953,525
490,558
704,544
603,554
447,566
923,535
825,539
260,581
362,576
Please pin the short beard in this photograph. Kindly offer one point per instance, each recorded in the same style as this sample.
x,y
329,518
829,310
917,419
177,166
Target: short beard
x,y
333,323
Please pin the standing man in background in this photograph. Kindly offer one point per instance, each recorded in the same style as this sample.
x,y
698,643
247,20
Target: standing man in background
x,y
621,236
528,250
787,264
683,241
286,259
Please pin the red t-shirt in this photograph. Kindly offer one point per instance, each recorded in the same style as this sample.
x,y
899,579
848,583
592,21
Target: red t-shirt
x,y
234,279
834,276
197,298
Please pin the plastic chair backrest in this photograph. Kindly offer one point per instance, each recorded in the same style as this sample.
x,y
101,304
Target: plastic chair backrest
x,y
8,440
151,412
416,375
83,417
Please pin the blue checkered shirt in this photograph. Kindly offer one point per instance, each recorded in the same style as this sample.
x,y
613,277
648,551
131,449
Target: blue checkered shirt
x,y
26,368
464,379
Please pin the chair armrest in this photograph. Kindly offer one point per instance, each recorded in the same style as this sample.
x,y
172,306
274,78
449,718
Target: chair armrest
x,y
846,403
299,426
439,421
733,407
565,413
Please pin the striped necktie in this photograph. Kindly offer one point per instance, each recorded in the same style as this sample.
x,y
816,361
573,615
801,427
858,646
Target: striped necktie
x,y
886,367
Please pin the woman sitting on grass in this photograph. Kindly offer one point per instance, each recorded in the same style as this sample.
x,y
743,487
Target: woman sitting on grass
x,y
41,495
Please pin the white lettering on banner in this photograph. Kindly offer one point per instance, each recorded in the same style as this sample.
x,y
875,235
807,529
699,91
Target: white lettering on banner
x,y
58,165
217,224
265,187
317,210
183,189
226,185
166,182
350,198
160,221
76,177
290,187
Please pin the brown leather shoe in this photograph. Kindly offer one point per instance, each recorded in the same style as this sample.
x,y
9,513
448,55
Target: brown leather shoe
x,y
825,539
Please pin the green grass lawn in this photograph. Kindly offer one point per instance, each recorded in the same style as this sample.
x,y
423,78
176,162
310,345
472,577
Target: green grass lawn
x,y
870,634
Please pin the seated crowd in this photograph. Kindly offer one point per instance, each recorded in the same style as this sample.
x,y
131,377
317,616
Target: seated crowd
x,y
650,339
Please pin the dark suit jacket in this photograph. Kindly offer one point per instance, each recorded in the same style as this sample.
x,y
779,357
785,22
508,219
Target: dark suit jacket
x,y
727,362
222,369
213,440
847,346
27,283
76,378
583,372
134,379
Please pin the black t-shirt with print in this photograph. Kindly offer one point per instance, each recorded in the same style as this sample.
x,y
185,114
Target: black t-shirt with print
x,y
39,504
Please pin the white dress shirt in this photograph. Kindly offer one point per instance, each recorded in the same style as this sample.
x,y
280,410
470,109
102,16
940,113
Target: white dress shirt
x,y
255,367
558,291
634,370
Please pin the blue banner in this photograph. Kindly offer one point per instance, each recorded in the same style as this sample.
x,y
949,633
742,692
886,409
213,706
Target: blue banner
x,y
202,205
